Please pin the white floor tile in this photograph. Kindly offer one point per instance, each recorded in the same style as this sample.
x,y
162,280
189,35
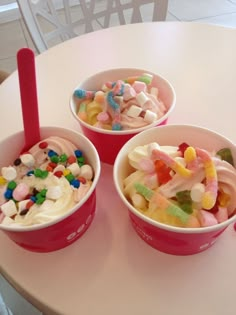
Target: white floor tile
x,y
188,10
12,38
228,20
17,304
8,64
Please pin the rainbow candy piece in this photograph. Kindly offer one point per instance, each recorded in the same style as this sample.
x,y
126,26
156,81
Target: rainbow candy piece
x,y
210,195
146,78
162,203
190,157
170,162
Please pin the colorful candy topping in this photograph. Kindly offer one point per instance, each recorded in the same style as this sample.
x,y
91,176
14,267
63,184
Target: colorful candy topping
x,y
43,183
124,104
182,186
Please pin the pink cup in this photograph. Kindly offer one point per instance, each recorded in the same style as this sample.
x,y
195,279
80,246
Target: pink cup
x,y
66,229
165,238
108,143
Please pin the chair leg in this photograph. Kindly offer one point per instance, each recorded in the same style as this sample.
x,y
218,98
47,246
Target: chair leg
x,y
3,75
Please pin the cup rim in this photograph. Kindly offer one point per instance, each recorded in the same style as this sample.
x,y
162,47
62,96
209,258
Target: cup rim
x,y
129,131
157,224
78,205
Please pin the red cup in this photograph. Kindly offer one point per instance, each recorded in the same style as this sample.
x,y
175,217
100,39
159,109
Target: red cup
x,y
166,238
107,142
68,228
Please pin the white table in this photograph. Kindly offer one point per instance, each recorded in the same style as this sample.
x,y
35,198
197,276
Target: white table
x,y
110,270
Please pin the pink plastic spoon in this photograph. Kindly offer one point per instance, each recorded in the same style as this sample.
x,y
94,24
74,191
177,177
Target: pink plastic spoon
x,y
28,93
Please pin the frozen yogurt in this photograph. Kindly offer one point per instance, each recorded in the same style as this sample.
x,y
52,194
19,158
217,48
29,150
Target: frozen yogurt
x,y
182,186
121,105
43,183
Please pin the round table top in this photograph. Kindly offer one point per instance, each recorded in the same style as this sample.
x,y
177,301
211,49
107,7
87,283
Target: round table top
x,y
110,270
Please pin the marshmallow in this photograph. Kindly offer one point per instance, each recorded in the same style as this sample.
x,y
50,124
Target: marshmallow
x,y
20,192
74,168
139,201
54,192
134,111
27,159
86,171
207,218
222,214
142,98
197,192
150,117
139,86
129,92
152,146
9,208
154,91
9,173
59,168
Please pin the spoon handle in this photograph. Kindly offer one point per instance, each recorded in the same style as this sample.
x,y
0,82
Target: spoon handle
x,y
28,93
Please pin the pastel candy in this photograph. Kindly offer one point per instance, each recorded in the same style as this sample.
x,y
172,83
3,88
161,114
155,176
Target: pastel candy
x,y
27,159
20,192
139,86
9,173
103,117
207,218
134,111
222,214
54,192
86,171
9,208
150,116
129,92
142,98
74,168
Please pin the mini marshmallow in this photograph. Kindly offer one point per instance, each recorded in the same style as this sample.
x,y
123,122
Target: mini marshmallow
x,y
9,173
197,192
139,86
86,171
103,117
222,214
27,159
54,192
134,111
154,91
21,191
9,208
129,92
142,98
139,201
152,146
207,218
150,117
59,168
74,168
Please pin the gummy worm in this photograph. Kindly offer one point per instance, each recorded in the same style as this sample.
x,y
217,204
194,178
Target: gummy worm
x,y
83,94
162,202
190,158
210,195
170,162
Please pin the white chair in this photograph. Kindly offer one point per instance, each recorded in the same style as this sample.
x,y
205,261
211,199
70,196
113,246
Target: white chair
x,y
50,22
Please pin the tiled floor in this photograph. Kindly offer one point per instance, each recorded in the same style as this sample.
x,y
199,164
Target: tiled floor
x,y
13,35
